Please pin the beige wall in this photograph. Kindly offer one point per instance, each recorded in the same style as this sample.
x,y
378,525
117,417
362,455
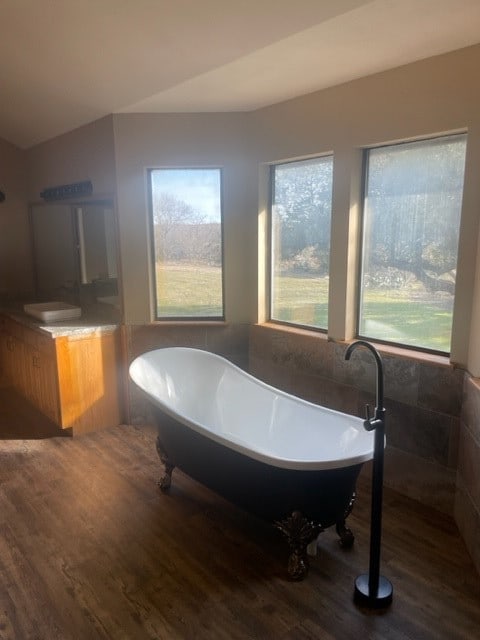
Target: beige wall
x,y
426,98
16,277
86,153
145,141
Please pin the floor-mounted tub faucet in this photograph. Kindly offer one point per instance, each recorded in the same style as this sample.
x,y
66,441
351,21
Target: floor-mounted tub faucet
x,y
373,590
371,423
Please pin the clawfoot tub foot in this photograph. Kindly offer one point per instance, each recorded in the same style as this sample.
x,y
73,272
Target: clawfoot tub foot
x,y
166,480
345,534
299,532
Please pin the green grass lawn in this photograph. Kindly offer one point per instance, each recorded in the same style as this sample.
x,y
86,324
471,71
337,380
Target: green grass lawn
x,y
189,291
416,323
413,318
301,300
410,318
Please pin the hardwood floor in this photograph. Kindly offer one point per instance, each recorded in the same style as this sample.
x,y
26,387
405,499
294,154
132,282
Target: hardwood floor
x,y
89,548
19,419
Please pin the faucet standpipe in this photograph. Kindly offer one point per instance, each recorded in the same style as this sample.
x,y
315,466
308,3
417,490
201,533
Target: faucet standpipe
x,y
373,590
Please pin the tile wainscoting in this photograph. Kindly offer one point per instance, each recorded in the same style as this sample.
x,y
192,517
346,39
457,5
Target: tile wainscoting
x,y
467,499
423,402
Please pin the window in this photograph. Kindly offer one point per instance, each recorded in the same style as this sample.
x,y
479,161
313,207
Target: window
x,y
413,198
300,241
186,211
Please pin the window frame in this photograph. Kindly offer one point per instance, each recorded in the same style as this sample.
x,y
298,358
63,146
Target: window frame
x,y
270,253
361,244
152,265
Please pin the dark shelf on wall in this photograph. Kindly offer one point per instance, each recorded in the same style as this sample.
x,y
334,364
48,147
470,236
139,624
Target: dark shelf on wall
x,y
65,191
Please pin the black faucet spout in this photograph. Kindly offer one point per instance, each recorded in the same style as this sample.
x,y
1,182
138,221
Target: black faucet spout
x,y
379,387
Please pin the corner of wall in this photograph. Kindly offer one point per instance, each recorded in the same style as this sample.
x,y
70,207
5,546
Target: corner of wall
x,y
467,498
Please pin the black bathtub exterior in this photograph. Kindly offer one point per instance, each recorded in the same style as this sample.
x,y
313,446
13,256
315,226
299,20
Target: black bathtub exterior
x,y
301,503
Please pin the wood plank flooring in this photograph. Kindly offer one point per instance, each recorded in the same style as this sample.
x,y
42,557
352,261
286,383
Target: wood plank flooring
x,y
20,419
90,549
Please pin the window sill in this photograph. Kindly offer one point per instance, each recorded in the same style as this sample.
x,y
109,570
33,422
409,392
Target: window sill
x,y
300,331
190,323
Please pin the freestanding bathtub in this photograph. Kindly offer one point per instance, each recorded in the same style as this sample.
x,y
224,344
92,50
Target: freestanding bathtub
x,y
279,457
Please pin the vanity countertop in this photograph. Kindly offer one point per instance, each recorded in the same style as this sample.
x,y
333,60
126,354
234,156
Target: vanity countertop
x,y
94,320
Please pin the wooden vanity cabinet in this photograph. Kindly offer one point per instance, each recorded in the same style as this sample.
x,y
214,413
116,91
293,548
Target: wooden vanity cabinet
x,y
72,379
41,374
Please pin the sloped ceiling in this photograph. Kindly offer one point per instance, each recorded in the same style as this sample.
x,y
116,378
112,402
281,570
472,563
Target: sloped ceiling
x,y
64,64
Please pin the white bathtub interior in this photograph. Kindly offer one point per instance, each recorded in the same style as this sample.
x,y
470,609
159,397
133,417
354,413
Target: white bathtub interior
x,y
222,401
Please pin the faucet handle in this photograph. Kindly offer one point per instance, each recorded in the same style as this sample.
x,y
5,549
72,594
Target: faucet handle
x,y
369,423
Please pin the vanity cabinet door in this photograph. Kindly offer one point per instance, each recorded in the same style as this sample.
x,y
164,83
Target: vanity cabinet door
x,y
88,382
4,373
43,389
7,349
14,362
41,372
21,366
28,364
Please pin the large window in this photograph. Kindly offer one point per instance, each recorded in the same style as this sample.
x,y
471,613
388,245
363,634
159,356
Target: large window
x,y
413,198
300,241
186,209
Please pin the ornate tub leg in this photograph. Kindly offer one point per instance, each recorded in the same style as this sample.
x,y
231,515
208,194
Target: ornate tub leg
x,y
299,533
346,535
166,480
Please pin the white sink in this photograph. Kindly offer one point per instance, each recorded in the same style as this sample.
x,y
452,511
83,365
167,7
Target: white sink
x,y
52,311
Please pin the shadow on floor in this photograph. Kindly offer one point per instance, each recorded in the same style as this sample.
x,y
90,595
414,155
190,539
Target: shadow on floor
x,y
19,420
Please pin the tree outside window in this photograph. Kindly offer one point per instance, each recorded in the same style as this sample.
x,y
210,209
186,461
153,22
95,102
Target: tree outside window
x,y
300,241
186,213
412,209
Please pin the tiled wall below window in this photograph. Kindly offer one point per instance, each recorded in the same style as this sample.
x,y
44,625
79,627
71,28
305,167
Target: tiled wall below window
x,y
467,500
422,400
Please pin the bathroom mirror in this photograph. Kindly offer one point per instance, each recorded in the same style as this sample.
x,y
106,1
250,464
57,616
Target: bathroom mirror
x,y
54,241
74,244
96,242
